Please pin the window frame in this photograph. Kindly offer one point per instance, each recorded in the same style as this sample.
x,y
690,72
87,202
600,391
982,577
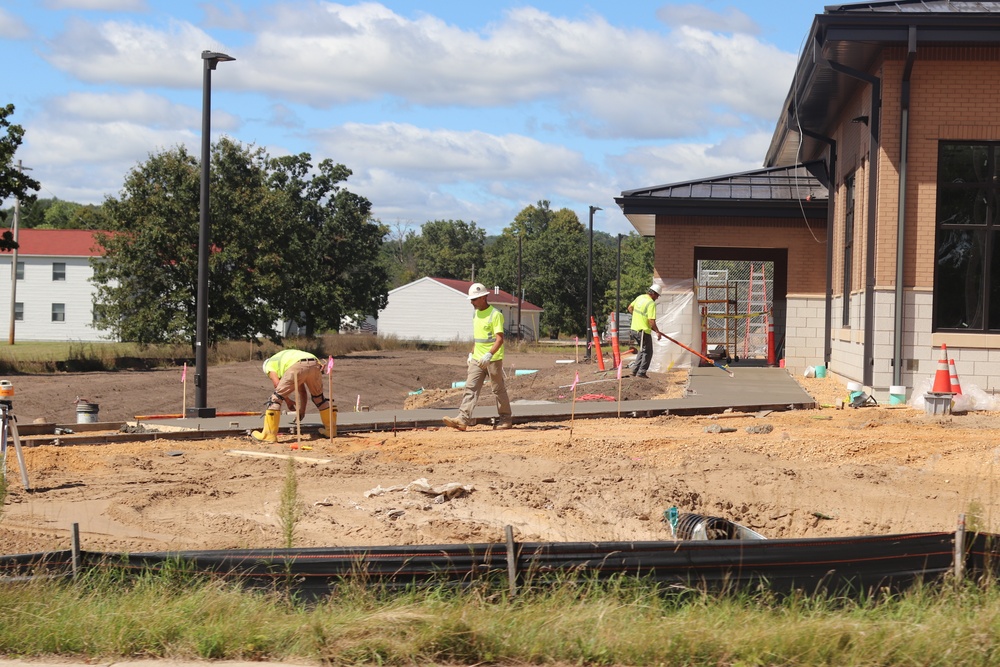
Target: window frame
x,y
59,314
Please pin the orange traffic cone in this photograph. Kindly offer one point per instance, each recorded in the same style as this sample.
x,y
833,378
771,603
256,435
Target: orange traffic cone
x,y
942,379
956,387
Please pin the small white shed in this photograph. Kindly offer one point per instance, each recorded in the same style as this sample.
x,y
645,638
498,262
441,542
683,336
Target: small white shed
x,y
437,310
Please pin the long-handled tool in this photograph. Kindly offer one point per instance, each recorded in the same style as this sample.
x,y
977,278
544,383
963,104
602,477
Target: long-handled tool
x,y
699,354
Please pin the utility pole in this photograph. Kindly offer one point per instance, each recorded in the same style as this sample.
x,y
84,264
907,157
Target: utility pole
x,y
519,295
13,259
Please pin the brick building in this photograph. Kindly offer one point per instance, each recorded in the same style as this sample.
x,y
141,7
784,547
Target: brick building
x,y
878,200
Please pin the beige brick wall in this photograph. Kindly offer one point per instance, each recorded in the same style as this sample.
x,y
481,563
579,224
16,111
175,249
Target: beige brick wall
x,y
806,244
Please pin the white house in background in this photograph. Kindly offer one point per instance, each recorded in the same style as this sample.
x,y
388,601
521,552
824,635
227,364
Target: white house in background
x,y
437,310
54,295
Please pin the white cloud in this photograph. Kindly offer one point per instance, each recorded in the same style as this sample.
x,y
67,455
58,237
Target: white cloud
x,y
679,162
132,54
633,82
697,16
12,27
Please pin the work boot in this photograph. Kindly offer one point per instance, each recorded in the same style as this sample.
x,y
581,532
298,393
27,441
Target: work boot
x,y
270,431
504,423
455,422
329,417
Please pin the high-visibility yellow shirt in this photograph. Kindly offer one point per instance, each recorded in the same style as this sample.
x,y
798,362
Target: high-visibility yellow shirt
x,y
643,310
486,324
280,362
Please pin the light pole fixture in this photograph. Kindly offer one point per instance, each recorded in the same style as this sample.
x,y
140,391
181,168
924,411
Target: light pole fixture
x,y
590,280
201,410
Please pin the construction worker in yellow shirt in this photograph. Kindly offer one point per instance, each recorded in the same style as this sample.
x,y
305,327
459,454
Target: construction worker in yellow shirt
x,y
486,360
643,309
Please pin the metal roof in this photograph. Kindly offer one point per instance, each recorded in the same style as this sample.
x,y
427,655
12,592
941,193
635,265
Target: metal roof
x,y
780,192
853,36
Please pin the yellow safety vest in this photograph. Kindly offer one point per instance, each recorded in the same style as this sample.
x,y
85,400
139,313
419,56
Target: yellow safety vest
x,y
486,324
643,310
280,362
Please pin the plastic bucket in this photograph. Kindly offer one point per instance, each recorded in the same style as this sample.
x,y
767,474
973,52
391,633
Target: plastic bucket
x,y
897,395
854,389
86,413
6,389
821,371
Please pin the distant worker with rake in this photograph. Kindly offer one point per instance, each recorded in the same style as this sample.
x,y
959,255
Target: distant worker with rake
x,y
486,360
643,310
293,373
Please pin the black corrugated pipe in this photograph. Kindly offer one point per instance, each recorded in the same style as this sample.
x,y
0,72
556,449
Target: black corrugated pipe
x,y
831,175
874,121
904,137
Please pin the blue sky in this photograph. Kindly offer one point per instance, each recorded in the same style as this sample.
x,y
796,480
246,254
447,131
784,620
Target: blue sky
x,y
442,109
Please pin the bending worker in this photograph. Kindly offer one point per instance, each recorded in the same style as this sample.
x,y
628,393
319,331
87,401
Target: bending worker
x,y
643,310
290,370
486,359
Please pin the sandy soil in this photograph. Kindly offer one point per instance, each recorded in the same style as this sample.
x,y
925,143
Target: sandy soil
x,y
808,473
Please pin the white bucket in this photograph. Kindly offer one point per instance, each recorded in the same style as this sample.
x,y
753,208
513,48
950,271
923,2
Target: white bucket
x,y
897,395
86,413
854,389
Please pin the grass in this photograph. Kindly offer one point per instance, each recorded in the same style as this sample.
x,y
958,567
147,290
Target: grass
x,y
58,357
622,622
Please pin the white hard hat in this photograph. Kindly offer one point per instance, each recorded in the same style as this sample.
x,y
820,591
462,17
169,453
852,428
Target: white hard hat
x,y
656,289
477,290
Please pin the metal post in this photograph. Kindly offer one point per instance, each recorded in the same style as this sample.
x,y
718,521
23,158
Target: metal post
x,y
201,409
519,330
618,288
590,280
13,260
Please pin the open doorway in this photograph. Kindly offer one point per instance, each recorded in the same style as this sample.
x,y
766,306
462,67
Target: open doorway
x,y
740,291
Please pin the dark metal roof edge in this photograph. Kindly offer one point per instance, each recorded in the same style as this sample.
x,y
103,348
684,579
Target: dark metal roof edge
x,y
710,179
814,210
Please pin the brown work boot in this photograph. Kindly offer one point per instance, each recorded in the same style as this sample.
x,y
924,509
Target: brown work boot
x,y
504,423
455,422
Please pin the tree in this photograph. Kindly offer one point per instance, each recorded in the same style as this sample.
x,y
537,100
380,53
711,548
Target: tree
x,y
554,253
398,255
335,243
450,249
147,279
13,181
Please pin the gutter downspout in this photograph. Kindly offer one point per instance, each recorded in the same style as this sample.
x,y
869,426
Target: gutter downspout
x,y
904,136
831,176
874,122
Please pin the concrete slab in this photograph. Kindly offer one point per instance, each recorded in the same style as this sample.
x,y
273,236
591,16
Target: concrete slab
x,y
710,391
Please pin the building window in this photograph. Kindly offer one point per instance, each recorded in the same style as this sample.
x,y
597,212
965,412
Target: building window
x,y
20,271
58,270
59,312
848,247
966,286
18,311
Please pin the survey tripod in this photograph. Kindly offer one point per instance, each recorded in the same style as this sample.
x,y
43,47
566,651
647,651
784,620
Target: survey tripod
x,y
8,432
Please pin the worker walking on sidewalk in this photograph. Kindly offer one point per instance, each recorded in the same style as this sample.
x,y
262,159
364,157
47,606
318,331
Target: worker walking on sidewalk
x,y
291,370
486,360
643,310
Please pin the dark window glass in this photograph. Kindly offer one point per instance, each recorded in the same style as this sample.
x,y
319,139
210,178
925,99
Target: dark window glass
x,y
967,246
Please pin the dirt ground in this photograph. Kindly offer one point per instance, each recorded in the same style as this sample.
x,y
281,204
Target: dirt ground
x,y
808,473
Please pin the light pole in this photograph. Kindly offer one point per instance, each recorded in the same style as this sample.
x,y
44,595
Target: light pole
x,y
13,261
590,280
618,290
201,409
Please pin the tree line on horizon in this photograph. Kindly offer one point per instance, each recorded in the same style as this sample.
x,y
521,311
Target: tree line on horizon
x,y
291,243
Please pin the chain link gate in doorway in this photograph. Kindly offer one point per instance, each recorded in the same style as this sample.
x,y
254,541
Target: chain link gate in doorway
x,y
734,300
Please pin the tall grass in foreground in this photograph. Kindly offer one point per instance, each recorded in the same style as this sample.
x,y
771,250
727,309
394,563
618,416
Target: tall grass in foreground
x,y
622,622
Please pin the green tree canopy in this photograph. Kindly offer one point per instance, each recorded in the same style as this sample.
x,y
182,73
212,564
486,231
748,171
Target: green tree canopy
x,y
555,248
284,245
450,249
13,181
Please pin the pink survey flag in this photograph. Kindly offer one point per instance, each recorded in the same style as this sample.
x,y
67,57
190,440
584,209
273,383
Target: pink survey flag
x,y
329,364
184,373
575,381
619,369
